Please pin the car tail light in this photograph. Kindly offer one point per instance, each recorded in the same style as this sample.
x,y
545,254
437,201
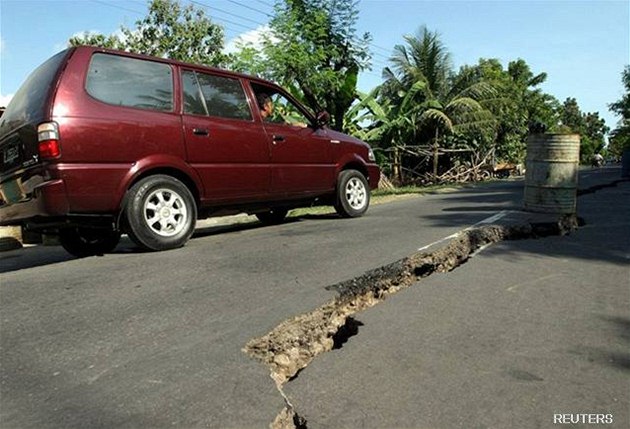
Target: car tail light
x,y
48,138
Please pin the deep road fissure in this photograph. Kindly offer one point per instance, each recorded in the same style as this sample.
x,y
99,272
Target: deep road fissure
x,y
292,345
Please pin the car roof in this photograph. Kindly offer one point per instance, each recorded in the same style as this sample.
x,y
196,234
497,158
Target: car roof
x,y
218,70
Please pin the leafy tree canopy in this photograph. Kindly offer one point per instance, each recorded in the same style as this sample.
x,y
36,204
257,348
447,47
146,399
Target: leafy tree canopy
x,y
313,50
590,126
519,103
620,136
430,100
169,31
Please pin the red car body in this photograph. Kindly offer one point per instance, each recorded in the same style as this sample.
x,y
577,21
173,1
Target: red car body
x,y
98,150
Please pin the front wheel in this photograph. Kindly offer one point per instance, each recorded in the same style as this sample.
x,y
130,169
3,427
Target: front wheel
x,y
160,213
82,242
353,194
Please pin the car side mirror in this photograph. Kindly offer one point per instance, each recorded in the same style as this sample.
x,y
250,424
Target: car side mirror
x,y
323,118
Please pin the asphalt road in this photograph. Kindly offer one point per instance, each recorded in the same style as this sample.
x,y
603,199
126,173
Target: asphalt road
x,y
139,340
527,334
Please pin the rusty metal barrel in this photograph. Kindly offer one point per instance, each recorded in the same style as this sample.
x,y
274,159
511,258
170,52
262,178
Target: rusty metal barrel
x,y
551,173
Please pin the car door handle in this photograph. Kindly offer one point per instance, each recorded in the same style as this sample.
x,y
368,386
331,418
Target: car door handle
x,y
277,138
200,132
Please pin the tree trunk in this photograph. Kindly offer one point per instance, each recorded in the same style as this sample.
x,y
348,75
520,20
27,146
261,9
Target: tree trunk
x,y
337,124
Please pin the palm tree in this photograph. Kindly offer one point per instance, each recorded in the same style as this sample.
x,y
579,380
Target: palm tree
x,y
459,111
424,59
434,100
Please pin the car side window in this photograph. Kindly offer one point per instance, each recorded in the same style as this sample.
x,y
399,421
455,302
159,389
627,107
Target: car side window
x,y
287,112
131,82
276,108
206,94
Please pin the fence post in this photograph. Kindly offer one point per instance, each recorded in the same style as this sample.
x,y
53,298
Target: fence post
x,y
396,165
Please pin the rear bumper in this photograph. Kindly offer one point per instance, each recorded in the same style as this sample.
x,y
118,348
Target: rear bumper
x,y
22,202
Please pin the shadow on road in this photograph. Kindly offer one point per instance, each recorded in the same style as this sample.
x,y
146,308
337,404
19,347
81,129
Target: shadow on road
x,y
614,359
38,256
31,257
622,327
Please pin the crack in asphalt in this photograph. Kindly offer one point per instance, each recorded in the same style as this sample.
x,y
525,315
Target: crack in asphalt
x,y
292,345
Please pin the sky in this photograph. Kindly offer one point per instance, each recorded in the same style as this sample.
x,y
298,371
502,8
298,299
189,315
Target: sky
x,y
582,45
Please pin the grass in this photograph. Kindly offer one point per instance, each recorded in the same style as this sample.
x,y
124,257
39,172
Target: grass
x,y
380,196
405,190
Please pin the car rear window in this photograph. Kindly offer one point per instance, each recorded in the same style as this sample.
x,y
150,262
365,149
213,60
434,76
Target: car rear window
x,y
29,102
130,82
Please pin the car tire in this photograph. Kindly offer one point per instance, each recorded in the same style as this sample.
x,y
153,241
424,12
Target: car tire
x,y
160,213
272,217
352,195
82,242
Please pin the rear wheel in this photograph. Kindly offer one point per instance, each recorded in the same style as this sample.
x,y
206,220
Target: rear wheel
x,y
160,213
272,217
353,194
82,242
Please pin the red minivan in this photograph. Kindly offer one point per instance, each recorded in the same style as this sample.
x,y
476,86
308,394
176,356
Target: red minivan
x,y
99,142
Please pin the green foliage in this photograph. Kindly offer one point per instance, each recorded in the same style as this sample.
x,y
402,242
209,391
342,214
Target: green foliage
x,y
430,102
426,59
250,59
169,31
590,126
517,105
619,140
527,106
571,116
312,49
92,39
622,107
359,120
388,125
620,136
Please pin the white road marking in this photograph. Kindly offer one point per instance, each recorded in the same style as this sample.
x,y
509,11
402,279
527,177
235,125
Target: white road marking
x,y
485,221
457,234
492,219
481,249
